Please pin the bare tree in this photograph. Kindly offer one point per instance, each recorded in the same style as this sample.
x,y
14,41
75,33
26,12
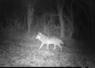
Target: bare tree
x,y
82,6
62,17
48,23
60,14
29,17
30,11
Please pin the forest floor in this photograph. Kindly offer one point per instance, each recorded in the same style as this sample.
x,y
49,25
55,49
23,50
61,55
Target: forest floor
x,y
24,52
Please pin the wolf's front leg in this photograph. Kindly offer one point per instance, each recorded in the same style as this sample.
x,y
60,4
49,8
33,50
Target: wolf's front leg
x,y
41,45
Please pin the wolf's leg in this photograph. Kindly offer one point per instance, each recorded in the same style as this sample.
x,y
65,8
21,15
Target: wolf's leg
x,y
47,46
54,47
59,45
41,45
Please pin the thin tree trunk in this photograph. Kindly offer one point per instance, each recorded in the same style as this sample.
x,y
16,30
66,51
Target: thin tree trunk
x,y
61,21
60,14
29,17
62,24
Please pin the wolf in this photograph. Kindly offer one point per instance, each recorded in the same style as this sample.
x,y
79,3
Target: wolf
x,y
49,40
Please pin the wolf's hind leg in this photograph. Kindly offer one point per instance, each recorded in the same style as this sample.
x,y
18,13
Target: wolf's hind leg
x,y
54,47
47,46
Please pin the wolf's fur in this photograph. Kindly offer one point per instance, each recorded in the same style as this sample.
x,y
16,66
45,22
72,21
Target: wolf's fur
x,y
46,40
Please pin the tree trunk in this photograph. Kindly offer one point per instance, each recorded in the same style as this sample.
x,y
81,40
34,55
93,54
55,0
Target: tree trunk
x,y
29,17
60,14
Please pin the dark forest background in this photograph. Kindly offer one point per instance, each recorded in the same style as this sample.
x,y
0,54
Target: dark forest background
x,y
83,14
13,19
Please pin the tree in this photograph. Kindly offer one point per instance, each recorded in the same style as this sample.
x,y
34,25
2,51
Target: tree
x,y
63,16
30,13
60,14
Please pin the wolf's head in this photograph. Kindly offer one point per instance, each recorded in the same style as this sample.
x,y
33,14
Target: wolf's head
x,y
39,35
